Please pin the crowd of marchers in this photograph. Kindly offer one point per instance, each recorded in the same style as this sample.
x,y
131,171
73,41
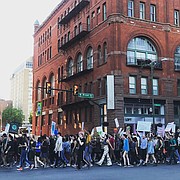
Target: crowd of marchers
x,y
86,150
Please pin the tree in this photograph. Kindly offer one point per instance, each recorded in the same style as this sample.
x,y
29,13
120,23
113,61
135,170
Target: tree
x,y
11,114
30,118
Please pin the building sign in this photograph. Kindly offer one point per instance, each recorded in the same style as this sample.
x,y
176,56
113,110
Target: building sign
x,y
110,91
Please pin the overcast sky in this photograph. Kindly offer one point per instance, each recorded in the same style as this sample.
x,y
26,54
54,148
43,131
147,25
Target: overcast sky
x,y
16,35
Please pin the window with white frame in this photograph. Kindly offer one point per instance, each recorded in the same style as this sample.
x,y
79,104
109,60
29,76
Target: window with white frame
x,y
89,57
105,52
143,85
79,63
132,84
131,8
153,13
70,67
177,59
104,12
176,17
155,87
142,10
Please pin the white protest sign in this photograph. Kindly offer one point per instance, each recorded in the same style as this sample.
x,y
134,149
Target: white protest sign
x,y
82,126
116,122
7,128
144,126
170,126
99,130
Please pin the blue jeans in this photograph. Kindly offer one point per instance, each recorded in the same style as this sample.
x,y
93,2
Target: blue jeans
x,y
23,157
87,154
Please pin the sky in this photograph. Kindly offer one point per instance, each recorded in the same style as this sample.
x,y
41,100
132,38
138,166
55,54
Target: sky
x,y
17,19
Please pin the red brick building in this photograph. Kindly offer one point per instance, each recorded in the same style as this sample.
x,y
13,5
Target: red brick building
x,y
127,53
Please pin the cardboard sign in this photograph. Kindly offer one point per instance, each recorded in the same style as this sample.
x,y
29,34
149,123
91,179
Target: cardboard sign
x,y
116,122
98,129
170,126
144,126
82,126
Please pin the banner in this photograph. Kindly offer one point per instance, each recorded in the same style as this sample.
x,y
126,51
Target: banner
x,y
53,128
39,108
144,126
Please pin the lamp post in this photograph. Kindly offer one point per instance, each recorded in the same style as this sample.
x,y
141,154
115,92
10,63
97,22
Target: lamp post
x,y
152,64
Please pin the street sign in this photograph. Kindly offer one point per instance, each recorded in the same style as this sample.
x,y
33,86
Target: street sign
x,y
85,95
157,104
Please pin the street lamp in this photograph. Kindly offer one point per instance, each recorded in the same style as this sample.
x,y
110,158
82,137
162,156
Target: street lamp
x,y
152,65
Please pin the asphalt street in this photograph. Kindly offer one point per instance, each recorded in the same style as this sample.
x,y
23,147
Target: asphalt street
x,y
161,172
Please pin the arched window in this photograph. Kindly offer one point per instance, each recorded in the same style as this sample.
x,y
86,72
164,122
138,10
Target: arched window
x,y
105,52
140,49
89,57
70,67
79,63
59,74
38,91
62,72
99,55
177,58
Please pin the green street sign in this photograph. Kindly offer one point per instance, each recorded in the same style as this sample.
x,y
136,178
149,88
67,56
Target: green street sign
x,y
157,105
85,95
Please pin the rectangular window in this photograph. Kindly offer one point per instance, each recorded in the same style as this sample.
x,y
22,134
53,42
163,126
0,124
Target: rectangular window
x,y
93,14
69,36
155,88
50,52
99,88
131,8
132,85
98,10
143,85
176,17
142,10
104,12
88,23
178,87
153,13
60,117
49,119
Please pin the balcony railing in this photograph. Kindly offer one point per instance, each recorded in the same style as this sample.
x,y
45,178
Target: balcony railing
x,y
78,71
73,12
74,36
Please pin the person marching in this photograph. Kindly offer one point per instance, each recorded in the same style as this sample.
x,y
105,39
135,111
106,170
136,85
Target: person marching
x,y
106,143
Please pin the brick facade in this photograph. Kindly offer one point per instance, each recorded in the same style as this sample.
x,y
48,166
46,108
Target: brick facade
x,y
66,37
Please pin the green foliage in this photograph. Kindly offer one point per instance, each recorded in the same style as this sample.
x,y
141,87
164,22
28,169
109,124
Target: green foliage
x,y
30,118
11,114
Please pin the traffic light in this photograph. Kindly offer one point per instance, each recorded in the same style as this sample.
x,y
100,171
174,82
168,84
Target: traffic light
x,y
75,90
48,87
